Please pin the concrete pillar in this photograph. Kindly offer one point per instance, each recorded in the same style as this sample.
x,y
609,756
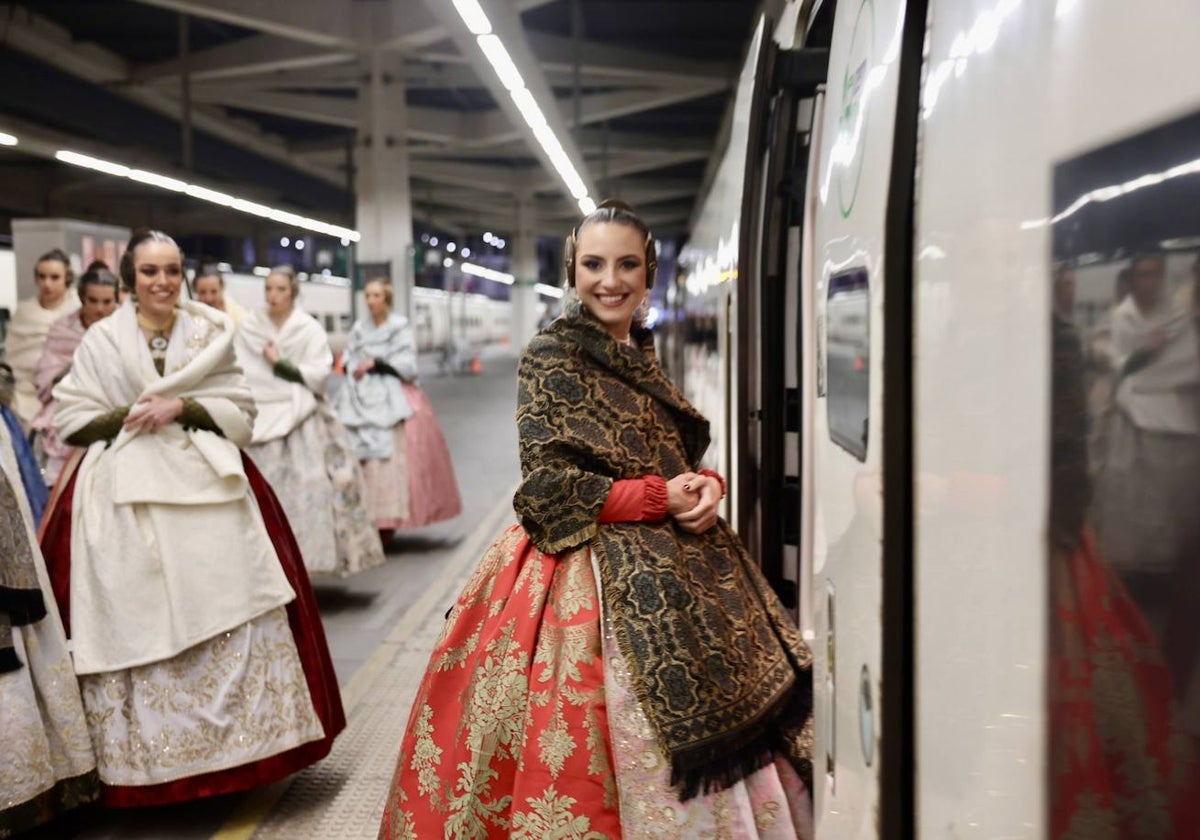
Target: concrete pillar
x,y
525,272
383,213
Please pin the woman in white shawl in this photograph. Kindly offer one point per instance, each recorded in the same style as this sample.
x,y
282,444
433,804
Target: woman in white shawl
x,y
46,761
298,442
1145,496
395,433
31,322
202,663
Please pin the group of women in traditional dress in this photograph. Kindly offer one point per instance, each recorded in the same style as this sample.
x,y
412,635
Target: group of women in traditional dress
x,y
198,663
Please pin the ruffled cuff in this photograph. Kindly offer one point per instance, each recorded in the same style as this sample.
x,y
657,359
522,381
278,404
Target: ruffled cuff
x,y
654,508
714,474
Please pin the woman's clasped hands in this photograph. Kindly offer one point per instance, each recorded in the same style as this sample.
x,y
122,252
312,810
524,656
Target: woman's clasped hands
x,y
692,500
152,412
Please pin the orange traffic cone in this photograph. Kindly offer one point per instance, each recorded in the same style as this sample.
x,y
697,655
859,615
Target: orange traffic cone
x,y
476,364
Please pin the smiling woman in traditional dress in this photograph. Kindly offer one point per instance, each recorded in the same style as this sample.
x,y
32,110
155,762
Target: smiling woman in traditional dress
x,y
617,664
98,293
31,321
410,477
298,442
201,659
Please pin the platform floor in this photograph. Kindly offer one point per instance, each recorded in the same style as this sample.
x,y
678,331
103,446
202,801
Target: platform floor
x,y
381,626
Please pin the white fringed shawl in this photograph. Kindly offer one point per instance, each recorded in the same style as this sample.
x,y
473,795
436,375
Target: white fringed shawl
x,y
168,548
26,338
1162,396
283,405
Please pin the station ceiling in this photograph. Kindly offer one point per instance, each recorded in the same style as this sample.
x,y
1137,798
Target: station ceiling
x,y
643,86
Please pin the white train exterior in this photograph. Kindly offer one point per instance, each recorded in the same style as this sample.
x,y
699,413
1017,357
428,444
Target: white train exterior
x,y
930,187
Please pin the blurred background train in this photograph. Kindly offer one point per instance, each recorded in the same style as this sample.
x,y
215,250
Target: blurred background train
x,y
867,309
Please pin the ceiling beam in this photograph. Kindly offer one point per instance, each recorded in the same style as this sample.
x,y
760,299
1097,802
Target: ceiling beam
x,y
312,107
327,23
561,52
412,27
37,37
247,56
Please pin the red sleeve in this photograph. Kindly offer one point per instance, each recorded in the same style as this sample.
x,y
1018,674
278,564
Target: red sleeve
x,y
636,500
714,474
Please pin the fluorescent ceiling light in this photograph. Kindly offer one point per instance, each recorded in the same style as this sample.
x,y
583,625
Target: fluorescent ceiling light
x,y
7,139
472,14
587,206
549,291
153,179
487,273
528,107
501,62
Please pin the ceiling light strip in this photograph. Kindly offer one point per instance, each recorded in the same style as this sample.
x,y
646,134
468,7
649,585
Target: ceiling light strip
x,y
476,21
204,194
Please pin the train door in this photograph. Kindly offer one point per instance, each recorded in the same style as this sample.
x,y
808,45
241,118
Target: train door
x,y
861,543
1057,420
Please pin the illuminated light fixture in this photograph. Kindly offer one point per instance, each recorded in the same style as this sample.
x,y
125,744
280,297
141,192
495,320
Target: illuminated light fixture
x,y
433,240
501,61
466,252
153,179
472,14
425,238
446,263
299,244
549,291
262,271
224,266
587,206
451,247
345,241
160,181
284,242
500,243
487,273
493,49
7,139
487,237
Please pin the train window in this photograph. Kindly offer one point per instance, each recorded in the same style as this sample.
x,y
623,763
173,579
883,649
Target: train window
x,y
1124,420
847,360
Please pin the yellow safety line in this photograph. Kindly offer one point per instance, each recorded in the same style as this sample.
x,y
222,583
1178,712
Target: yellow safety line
x,y
244,821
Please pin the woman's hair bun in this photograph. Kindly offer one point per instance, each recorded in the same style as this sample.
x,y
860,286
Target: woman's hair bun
x,y
616,204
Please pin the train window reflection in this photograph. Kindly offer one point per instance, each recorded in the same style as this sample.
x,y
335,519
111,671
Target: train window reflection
x,y
847,357
1124,519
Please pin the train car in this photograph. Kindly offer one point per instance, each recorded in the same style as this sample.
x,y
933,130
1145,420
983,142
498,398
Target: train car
x,y
956,388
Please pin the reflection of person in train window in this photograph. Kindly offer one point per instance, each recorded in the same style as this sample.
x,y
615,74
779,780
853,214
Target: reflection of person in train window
x,y
1145,512
1102,378
1117,753
209,287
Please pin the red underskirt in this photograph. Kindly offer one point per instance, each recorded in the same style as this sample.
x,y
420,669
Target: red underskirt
x,y
305,621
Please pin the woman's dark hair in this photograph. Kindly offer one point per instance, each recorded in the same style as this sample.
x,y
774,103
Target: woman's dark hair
x,y
618,212
128,259
57,255
98,274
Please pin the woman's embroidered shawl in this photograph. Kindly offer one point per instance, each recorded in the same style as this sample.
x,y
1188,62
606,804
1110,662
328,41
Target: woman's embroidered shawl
x,y
167,545
64,336
21,599
371,407
26,337
283,405
718,664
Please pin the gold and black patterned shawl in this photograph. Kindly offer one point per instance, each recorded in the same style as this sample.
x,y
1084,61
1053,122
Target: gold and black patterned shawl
x,y
21,600
717,663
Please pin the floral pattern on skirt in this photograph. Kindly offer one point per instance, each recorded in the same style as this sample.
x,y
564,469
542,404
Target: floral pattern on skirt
x,y
326,498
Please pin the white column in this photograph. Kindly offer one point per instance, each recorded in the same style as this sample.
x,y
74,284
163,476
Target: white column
x,y
525,271
384,208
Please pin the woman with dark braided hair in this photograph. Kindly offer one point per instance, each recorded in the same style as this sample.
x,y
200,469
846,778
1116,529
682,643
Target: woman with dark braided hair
x,y
617,665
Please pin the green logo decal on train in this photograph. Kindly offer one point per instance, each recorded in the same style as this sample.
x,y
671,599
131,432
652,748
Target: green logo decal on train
x,y
852,116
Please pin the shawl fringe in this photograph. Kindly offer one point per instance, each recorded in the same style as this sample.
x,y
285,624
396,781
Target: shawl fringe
x,y
23,606
575,540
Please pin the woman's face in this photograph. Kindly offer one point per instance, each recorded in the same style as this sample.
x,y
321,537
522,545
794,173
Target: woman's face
x,y
51,279
377,303
278,292
209,291
158,270
99,301
610,274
